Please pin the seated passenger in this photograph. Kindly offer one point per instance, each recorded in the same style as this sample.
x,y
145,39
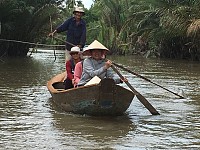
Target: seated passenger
x,y
70,65
79,67
96,65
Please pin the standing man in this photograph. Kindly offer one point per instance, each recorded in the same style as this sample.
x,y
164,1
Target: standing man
x,y
76,30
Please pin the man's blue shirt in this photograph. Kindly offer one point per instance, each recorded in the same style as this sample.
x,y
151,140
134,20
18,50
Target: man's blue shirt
x,y
76,34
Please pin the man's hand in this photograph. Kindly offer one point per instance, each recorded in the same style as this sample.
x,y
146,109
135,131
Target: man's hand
x,y
52,33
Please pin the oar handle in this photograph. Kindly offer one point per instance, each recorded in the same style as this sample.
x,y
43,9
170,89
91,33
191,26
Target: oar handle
x,y
141,98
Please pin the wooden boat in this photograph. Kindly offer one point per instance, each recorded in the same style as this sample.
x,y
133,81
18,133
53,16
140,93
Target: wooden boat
x,y
103,99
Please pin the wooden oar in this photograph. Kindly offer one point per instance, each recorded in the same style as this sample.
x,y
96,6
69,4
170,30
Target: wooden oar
x,y
146,79
64,41
141,98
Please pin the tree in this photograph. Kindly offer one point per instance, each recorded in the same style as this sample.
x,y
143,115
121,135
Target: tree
x,y
113,23
24,20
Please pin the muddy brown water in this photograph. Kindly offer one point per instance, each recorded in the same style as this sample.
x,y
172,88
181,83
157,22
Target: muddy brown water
x,y
30,120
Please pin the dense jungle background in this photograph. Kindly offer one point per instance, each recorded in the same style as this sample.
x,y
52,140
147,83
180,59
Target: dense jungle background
x,y
153,28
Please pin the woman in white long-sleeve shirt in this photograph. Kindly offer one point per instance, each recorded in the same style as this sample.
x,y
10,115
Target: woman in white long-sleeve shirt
x,y
96,65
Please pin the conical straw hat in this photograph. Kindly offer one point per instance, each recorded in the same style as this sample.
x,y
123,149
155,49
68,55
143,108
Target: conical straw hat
x,y
96,45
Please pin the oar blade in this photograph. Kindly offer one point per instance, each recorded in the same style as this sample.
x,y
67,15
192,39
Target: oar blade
x,y
147,104
141,98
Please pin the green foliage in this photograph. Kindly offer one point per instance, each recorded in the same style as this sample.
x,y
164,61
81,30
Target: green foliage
x,y
25,20
169,28
154,28
115,25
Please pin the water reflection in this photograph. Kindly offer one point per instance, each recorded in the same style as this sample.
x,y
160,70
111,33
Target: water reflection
x,y
97,131
29,120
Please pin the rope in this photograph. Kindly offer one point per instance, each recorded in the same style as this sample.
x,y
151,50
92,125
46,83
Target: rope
x,y
36,44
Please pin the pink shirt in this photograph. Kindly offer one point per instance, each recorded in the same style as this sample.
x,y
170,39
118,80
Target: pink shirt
x,y
77,73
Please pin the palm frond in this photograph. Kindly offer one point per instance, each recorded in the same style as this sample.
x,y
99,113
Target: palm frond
x,y
194,28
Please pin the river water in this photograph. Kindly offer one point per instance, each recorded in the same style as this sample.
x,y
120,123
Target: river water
x,y
30,120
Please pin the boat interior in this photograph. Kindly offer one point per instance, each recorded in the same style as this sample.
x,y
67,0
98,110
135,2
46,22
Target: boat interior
x,y
59,86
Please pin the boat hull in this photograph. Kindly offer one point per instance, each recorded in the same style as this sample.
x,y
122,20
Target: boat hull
x,y
103,99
